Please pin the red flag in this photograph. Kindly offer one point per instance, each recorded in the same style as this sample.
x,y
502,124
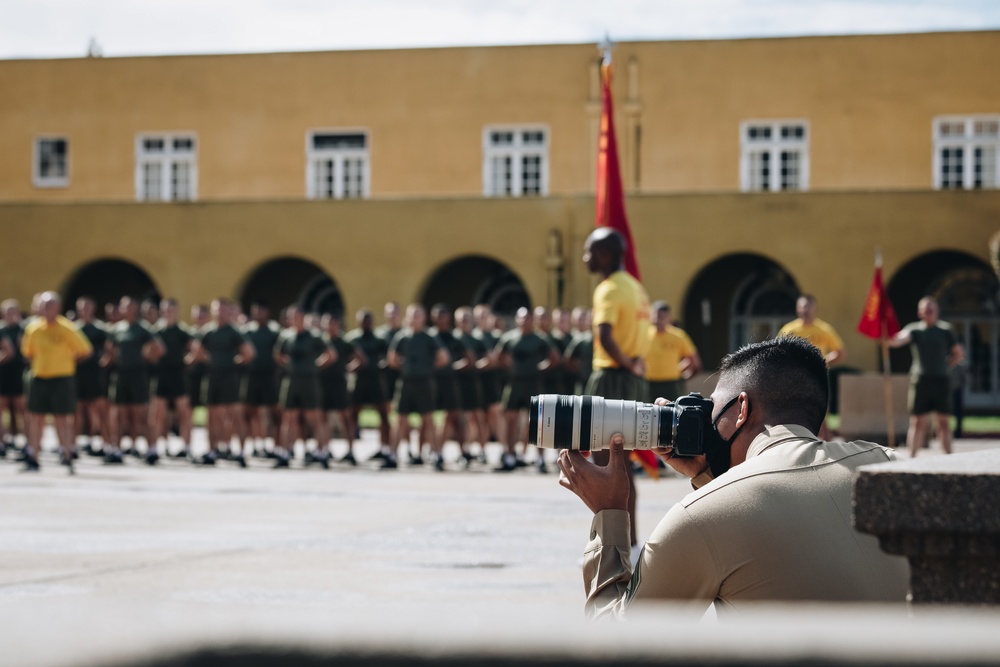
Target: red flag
x,y
610,198
611,213
878,319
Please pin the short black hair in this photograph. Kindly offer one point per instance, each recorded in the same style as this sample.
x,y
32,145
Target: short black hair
x,y
786,375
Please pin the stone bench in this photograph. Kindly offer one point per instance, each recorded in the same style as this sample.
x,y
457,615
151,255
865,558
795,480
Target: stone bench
x,y
940,512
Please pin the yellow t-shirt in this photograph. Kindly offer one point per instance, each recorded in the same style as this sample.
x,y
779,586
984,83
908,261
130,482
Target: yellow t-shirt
x,y
819,333
54,348
621,301
666,350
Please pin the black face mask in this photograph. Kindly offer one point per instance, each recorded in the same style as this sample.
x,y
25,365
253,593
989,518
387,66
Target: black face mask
x,y
717,449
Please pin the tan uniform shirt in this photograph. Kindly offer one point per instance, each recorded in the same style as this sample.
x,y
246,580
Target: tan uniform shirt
x,y
776,527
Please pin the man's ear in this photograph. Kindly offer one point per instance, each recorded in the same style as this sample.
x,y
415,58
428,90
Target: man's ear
x,y
743,400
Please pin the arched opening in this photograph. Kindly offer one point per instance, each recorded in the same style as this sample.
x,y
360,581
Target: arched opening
x,y
107,281
285,281
968,293
473,280
737,299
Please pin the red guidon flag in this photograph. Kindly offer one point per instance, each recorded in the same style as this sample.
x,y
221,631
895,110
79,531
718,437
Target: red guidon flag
x,y
878,320
611,211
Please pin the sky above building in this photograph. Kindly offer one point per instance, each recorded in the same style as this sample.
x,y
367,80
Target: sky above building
x,y
69,28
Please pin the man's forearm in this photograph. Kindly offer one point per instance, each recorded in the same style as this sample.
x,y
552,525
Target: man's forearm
x,y
607,567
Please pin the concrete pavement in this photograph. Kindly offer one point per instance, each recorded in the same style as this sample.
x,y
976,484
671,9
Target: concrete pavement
x,y
219,549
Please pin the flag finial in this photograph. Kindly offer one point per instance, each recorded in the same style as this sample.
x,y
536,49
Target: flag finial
x,y
606,47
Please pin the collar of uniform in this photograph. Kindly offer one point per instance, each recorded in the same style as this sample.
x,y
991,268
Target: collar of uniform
x,y
776,435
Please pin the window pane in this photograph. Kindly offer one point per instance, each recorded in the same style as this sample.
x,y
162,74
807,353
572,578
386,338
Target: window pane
x,y
793,132
502,138
152,145
533,138
760,171
184,145
501,176
986,128
354,178
952,167
984,165
152,180
338,140
52,158
180,181
531,175
790,170
952,129
759,132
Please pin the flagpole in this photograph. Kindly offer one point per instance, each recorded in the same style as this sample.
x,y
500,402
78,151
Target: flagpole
x,y
890,426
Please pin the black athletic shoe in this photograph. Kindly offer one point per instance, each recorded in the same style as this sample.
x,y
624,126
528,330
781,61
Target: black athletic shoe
x,y
30,465
209,458
323,458
377,456
309,457
240,460
507,463
439,463
94,451
280,462
542,468
182,454
113,458
520,463
3,450
67,461
348,459
152,457
133,452
416,460
389,462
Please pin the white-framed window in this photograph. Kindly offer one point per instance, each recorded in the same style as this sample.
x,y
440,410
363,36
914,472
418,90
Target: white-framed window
x,y
166,167
50,162
965,152
515,161
774,155
337,164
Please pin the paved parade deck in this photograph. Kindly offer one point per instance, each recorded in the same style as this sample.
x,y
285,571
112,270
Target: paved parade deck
x,y
178,548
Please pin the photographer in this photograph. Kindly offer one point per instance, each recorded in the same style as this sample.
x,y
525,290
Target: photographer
x,y
775,526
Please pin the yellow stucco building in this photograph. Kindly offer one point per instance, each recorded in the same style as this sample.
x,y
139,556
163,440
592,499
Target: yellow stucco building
x,y
755,170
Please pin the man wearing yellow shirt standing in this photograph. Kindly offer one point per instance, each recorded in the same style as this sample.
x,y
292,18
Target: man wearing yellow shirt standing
x,y
820,334
672,357
53,344
621,332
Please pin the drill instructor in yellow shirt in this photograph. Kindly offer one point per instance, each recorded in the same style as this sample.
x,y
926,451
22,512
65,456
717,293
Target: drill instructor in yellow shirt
x,y
53,344
672,357
820,334
621,332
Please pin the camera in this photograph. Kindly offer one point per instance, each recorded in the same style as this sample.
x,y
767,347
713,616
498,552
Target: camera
x,y
586,423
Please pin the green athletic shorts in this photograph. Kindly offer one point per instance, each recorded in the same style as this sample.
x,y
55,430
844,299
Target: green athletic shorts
x,y
369,390
617,383
52,396
929,394
221,387
470,391
260,388
669,389
170,383
416,395
129,386
300,392
518,392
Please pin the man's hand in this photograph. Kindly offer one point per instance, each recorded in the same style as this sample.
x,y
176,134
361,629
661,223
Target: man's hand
x,y
687,466
599,487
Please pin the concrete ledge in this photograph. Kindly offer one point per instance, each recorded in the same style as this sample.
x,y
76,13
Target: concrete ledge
x,y
941,513
791,634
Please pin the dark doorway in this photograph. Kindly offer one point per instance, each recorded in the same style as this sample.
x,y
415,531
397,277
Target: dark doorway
x,y
289,280
107,281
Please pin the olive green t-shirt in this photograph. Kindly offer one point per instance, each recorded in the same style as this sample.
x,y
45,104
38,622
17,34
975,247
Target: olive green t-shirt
x,y
931,347
175,339
222,345
128,341
372,346
303,348
263,339
418,349
526,351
